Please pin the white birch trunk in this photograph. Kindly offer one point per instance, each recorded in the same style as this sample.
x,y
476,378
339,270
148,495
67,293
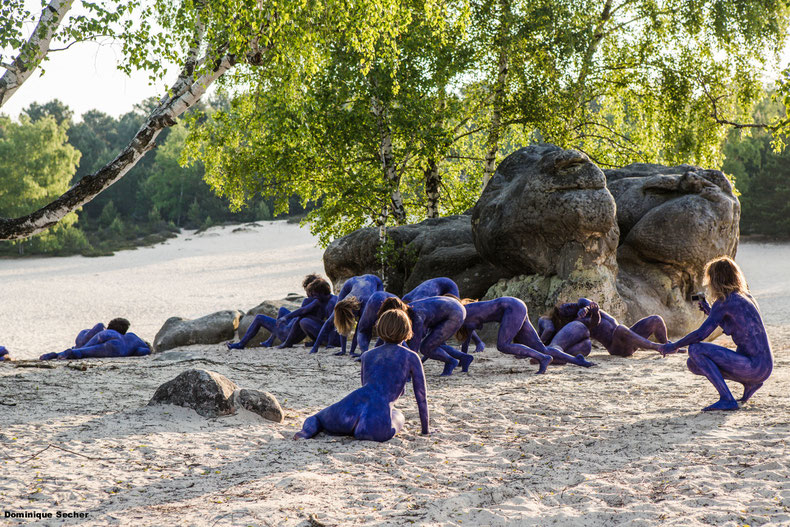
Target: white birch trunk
x,y
34,50
88,187
495,129
388,163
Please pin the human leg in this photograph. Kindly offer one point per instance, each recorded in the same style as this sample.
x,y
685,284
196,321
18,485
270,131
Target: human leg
x,y
652,325
260,321
717,363
511,324
625,342
464,359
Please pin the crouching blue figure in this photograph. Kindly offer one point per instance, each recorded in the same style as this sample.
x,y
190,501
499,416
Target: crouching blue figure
x,y
736,312
368,412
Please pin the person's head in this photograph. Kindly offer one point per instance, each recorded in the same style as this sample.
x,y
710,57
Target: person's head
x,y
345,315
121,325
318,287
393,302
723,277
309,279
394,326
557,319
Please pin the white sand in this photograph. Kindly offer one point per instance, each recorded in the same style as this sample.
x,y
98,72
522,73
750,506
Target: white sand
x,y
622,443
46,301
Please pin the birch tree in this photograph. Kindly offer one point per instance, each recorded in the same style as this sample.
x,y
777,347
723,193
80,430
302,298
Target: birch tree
x,y
207,40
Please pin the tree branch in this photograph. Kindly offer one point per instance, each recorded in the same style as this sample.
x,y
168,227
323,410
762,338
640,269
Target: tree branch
x,y
34,50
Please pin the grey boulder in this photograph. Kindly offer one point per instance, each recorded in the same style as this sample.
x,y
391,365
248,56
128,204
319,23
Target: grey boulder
x,y
210,329
212,395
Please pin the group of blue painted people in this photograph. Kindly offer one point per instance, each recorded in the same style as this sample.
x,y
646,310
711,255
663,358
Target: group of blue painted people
x,y
417,327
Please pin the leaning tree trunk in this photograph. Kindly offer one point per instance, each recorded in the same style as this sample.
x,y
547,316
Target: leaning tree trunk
x,y
34,50
495,128
184,93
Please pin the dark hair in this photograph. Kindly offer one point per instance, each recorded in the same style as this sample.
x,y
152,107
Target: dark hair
x,y
557,319
121,325
309,279
393,302
344,315
724,277
318,287
394,326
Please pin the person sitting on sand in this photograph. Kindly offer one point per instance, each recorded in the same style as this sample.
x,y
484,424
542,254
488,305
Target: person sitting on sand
x,y
4,354
368,412
511,313
736,312
350,303
434,320
603,327
115,341
286,327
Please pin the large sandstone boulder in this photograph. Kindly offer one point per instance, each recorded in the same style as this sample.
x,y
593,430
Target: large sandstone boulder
x,y
432,248
269,308
547,217
210,329
207,392
211,395
672,221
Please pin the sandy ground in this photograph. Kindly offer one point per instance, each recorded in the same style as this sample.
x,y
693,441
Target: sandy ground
x,y
620,444
45,302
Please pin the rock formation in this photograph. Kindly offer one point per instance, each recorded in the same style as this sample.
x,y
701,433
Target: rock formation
x,y
212,395
547,220
672,220
432,248
551,227
210,329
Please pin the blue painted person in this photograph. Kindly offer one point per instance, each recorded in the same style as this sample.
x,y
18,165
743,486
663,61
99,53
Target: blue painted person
x,y
435,320
115,341
735,311
585,320
4,354
368,412
287,326
511,313
350,304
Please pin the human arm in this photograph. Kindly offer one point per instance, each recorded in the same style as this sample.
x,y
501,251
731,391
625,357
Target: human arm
x,y
546,329
86,334
420,392
703,305
324,333
309,308
698,335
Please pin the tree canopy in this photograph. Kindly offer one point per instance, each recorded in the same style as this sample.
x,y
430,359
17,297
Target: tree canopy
x,y
387,111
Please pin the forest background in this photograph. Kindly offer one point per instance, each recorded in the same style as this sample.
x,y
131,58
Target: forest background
x,y
409,120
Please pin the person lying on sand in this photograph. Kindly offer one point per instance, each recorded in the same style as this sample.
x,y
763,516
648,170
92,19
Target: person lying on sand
x,y
115,341
604,328
287,326
4,354
368,412
738,315
350,303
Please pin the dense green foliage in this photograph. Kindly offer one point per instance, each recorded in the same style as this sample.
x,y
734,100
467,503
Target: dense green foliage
x,y
44,153
454,81
762,176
